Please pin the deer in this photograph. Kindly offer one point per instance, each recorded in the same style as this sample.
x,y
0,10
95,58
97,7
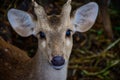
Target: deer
x,y
55,41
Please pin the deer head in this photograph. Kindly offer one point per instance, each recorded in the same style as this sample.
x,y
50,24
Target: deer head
x,y
54,32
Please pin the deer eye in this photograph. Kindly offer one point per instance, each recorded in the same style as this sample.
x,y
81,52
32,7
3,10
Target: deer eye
x,y
42,35
68,33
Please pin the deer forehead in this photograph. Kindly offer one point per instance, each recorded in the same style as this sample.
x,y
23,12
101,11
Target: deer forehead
x,y
54,20
56,36
53,23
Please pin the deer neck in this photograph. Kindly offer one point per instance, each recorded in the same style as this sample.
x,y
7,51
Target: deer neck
x,y
42,70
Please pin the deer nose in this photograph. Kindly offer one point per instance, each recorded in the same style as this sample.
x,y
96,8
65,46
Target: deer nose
x,y
58,61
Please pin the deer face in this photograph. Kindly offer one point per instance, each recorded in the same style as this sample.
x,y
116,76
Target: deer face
x,y
54,33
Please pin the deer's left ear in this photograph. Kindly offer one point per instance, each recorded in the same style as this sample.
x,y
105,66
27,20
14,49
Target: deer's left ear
x,y
21,22
85,17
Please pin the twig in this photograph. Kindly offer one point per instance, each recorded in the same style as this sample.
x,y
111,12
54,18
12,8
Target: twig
x,y
112,45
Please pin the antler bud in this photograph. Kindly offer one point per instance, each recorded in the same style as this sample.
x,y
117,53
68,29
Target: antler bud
x,y
34,3
39,10
69,1
66,11
40,13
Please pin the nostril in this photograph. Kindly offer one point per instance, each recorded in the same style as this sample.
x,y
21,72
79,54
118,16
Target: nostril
x,y
58,61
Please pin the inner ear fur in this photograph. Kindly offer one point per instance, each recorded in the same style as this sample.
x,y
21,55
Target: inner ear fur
x,y
85,17
21,22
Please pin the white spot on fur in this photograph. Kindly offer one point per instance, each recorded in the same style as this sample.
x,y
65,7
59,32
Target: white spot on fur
x,y
43,44
68,42
6,50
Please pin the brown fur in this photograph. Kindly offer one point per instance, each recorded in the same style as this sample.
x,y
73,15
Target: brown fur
x,y
12,61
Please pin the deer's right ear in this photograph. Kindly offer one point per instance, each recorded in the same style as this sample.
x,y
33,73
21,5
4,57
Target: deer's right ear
x,y
21,22
85,17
